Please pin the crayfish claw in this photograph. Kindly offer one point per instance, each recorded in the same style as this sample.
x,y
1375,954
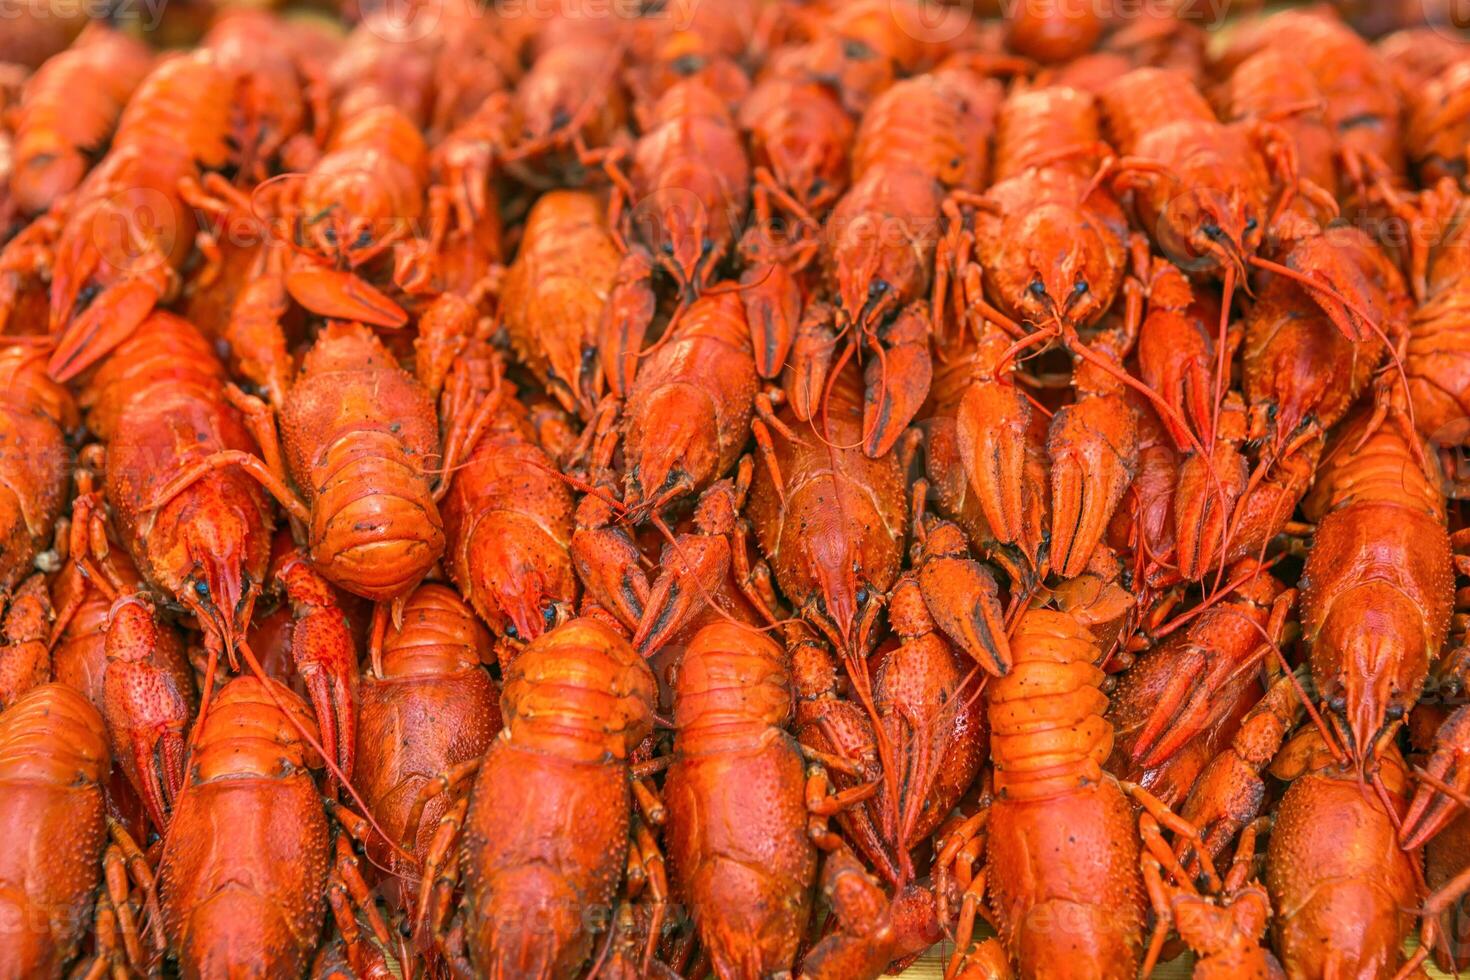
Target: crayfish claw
x,y
1432,808
964,600
812,353
25,657
773,309
325,657
626,317
445,330
110,320
340,295
1093,445
896,381
993,423
867,939
609,566
146,713
693,570
1204,503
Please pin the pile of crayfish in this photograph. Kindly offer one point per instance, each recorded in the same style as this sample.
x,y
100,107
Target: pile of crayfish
x,y
749,489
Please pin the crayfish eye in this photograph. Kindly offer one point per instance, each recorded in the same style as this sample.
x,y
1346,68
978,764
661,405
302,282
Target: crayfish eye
x,y
667,248
877,288
364,239
548,615
862,595
1080,289
1250,224
511,631
1211,231
330,234
201,589
687,64
706,247
857,50
1038,288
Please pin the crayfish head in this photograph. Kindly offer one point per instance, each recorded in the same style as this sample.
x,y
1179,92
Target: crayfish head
x,y
1207,229
45,177
1072,271
528,609
519,583
867,296
1370,660
218,589
352,230
852,61
682,234
674,443
844,605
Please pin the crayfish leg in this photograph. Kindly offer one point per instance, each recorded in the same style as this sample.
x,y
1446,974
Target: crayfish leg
x,y
1433,808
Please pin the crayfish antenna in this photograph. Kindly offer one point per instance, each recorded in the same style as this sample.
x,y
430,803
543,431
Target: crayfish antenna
x,y
1222,347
